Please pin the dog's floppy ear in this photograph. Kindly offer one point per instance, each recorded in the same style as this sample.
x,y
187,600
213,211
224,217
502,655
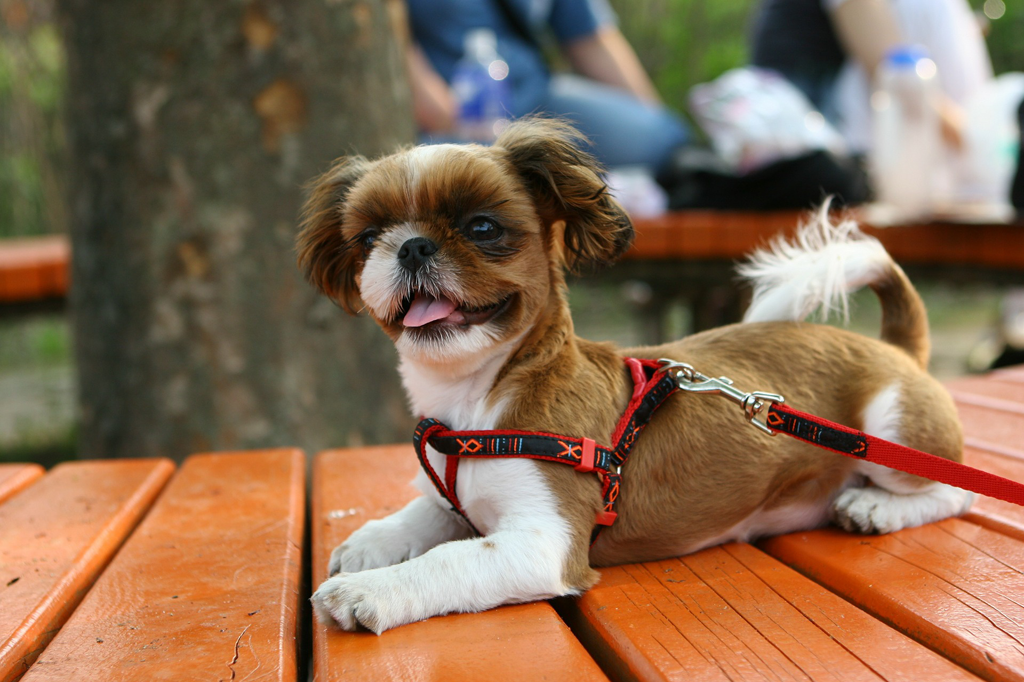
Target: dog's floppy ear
x,y
325,256
566,184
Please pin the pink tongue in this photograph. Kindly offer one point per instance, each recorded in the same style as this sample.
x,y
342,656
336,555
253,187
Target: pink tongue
x,y
426,309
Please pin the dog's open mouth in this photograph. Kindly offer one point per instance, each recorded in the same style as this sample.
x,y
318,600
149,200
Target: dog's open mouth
x,y
422,309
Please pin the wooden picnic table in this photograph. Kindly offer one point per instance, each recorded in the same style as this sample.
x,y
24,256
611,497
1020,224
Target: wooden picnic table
x,y
130,570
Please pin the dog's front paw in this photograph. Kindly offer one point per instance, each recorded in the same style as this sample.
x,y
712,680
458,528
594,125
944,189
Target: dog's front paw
x,y
368,599
375,545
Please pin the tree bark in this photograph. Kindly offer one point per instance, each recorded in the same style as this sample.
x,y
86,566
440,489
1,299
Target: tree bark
x,y
194,126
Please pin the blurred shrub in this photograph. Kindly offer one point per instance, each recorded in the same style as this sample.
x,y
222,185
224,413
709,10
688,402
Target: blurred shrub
x,y
31,131
1006,35
685,42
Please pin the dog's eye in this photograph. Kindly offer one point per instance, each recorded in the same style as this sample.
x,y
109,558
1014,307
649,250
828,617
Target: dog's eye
x,y
367,239
482,230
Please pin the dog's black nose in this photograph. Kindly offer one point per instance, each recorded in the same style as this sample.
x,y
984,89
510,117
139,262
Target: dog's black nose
x,y
415,252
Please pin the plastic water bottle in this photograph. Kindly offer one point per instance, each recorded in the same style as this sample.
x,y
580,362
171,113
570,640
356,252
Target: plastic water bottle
x,y
481,88
905,150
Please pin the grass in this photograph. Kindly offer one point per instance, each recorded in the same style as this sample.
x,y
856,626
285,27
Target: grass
x,y
43,341
37,413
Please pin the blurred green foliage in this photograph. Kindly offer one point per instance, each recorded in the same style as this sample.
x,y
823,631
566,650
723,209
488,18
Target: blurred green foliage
x,y
31,130
1006,36
686,42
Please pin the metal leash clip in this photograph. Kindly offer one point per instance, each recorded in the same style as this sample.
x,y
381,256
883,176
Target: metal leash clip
x,y
689,379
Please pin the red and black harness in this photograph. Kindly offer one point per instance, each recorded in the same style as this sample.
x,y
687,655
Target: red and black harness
x,y
650,389
653,382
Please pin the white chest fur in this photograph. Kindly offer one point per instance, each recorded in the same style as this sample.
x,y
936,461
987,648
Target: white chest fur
x,y
488,489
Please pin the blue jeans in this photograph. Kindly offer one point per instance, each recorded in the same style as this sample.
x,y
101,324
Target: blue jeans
x,y
623,130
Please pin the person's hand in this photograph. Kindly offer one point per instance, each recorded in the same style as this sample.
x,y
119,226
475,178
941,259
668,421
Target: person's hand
x,y
952,121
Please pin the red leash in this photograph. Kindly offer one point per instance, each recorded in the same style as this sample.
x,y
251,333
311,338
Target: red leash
x,y
829,435
859,445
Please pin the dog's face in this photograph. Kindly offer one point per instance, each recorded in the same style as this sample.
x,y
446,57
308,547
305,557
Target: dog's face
x,y
453,249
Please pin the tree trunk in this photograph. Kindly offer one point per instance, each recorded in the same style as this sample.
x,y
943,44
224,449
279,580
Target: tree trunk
x,y
194,126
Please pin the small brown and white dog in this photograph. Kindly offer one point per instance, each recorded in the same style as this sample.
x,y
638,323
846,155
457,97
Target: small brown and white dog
x,y
459,253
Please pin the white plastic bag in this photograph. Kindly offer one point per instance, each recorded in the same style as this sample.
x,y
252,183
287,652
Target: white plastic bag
x,y
637,191
755,117
992,140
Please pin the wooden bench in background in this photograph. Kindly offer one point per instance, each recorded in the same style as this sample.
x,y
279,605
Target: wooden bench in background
x,y
34,272
688,258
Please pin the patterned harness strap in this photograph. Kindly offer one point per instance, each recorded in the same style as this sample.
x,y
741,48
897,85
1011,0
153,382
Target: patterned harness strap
x,y
650,389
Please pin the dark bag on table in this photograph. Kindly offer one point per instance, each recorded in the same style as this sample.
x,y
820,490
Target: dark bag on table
x,y
697,178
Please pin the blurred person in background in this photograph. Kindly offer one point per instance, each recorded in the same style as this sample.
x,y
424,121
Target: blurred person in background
x,y
830,50
609,98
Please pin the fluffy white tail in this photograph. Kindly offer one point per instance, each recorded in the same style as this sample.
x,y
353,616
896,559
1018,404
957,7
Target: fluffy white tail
x,y
819,269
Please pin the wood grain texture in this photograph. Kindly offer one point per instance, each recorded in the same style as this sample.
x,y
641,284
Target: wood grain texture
x,y
33,269
207,588
56,538
987,427
523,642
953,585
16,477
734,613
990,408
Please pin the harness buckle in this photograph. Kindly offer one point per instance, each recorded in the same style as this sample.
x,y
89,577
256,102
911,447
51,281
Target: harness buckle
x,y
753,403
587,456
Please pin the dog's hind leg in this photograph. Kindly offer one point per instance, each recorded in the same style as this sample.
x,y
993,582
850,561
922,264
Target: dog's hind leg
x,y
896,500
880,509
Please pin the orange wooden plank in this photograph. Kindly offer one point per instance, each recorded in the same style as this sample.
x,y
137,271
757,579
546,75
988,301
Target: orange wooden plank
x,y
952,585
733,234
1000,516
990,409
55,539
988,428
34,268
993,385
1012,374
734,613
521,642
707,234
16,477
207,588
